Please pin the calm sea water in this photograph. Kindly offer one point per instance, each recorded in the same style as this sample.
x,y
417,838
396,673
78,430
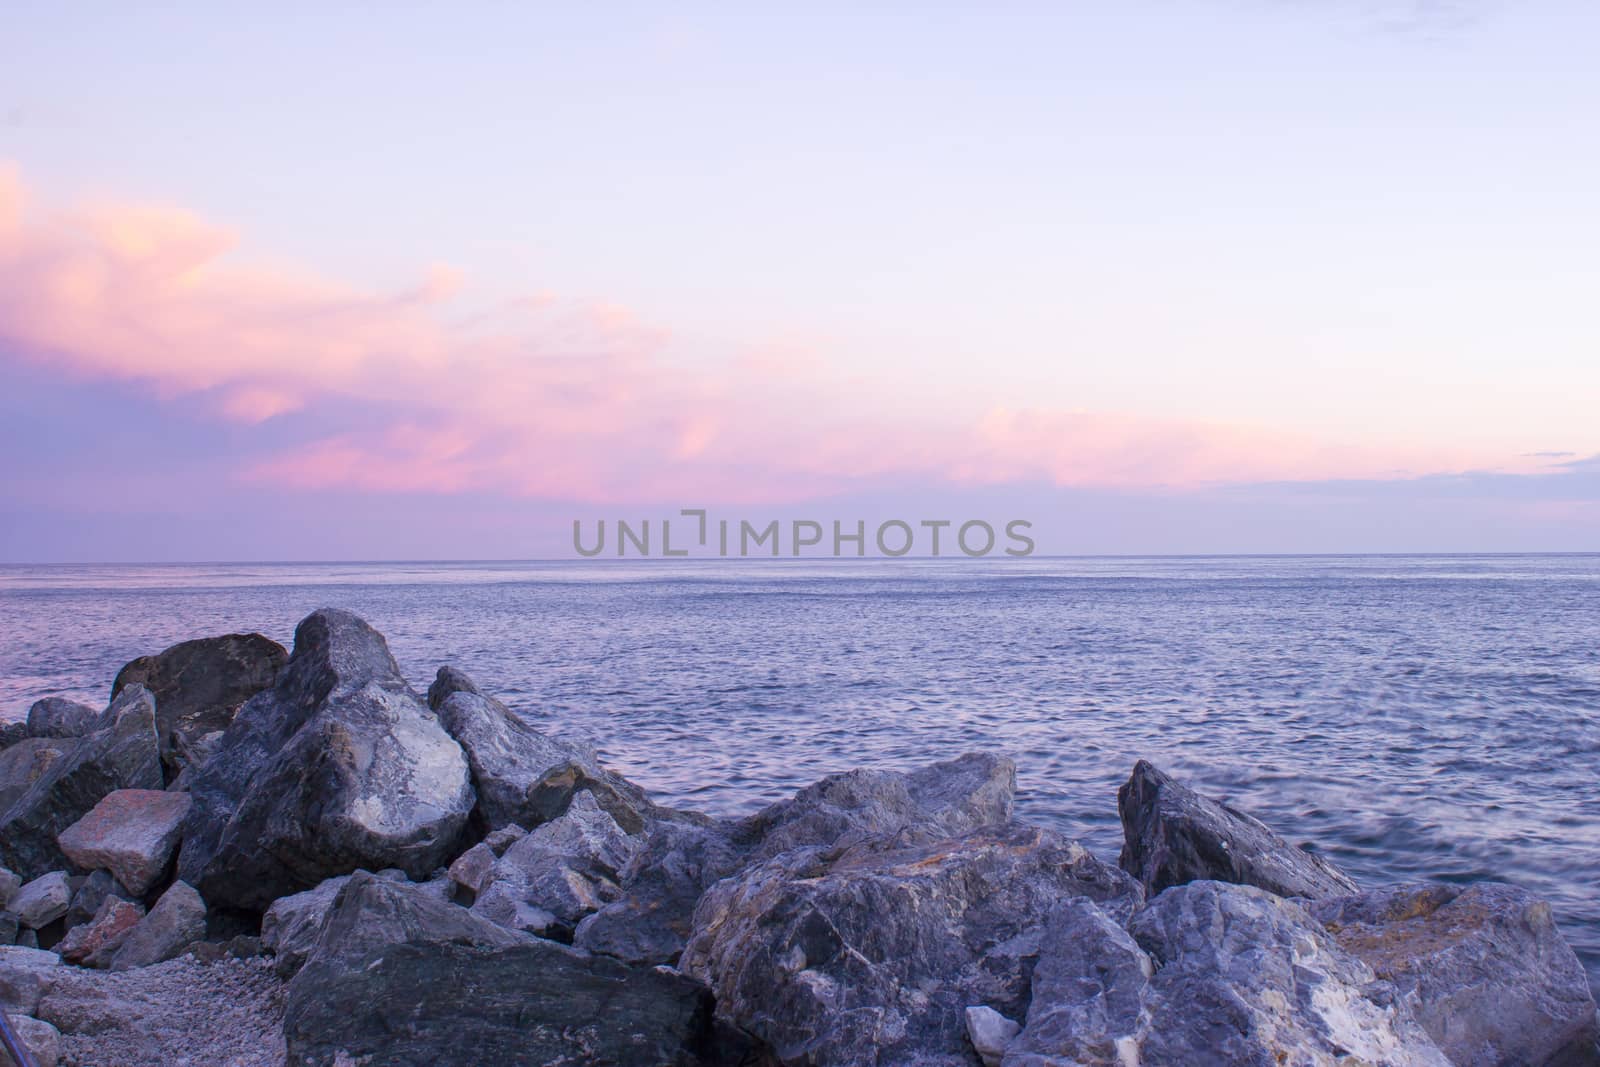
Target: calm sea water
x,y
1415,717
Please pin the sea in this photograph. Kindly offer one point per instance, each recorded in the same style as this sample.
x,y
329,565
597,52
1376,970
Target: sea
x,y
1412,717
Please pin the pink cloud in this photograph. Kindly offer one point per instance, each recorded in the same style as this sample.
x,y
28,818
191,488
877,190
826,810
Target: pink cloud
x,y
539,397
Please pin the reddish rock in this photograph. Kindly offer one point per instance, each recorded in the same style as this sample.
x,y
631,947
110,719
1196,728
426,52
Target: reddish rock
x,y
131,833
94,943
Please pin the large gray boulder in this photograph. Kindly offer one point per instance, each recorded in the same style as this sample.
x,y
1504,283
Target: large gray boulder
x,y
60,717
684,854
24,763
176,922
1211,973
871,953
523,775
121,755
401,977
199,686
339,766
1493,980
26,974
558,873
132,833
292,926
1173,835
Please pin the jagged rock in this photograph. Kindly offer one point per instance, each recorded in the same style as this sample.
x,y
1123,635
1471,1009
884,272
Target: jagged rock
x,y
872,952
9,884
88,897
684,854
41,1040
558,873
1173,835
25,975
401,978
293,925
1493,979
95,942
121,755
503,838
1213,973
26,762
337,767
199,686
12,732
470,870
990,1033
177,920
9,926
524,776
131,833
42,901
62,718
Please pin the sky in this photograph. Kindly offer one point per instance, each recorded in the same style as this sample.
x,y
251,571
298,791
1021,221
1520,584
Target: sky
x,y
1172,276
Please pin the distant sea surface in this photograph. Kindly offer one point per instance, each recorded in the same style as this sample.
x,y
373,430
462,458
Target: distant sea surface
x,y
1415,717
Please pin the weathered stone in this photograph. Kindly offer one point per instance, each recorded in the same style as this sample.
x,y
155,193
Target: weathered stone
x,y
42,901
990,1033
239,947
400,978
9,926
88,897
558,873
503,838
199,686
41,1040
293,924
60,717
1493,979
1213,973
684,854
12,732
131,833
470,870
871,953
26,762
177,920
9,884
121,755
524,776
1173,835
93,943
25,975
337,767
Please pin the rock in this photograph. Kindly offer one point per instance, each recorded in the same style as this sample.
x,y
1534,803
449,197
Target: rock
x,y
9,884
1213,973
872,952
990,1033
1493,979
401,978
93,943
131,833
1174,835
27,938
88,897
503,838
12,732
684,854
524,776
121,755
471,869
25,975
241,947
43,900
39,1038
177,920
199,686
558,873
293,925
9,927
338,767
60,717
24,763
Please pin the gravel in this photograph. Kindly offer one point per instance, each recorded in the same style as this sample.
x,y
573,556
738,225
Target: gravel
x,y
181,1013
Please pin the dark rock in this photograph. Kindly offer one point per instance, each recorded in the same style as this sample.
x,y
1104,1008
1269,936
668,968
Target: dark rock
x,y
199,686
684,854
469,872
131,833
60,717
177,921
10,882
24,763
12,732
87,898
9,926
1174,835
293,924
42,901
1494,981
94,943
121,755
558,873
448,681
871,953
524,776
240,947
337,767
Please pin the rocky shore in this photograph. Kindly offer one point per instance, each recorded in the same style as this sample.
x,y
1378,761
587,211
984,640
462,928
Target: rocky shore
x,y
256,858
